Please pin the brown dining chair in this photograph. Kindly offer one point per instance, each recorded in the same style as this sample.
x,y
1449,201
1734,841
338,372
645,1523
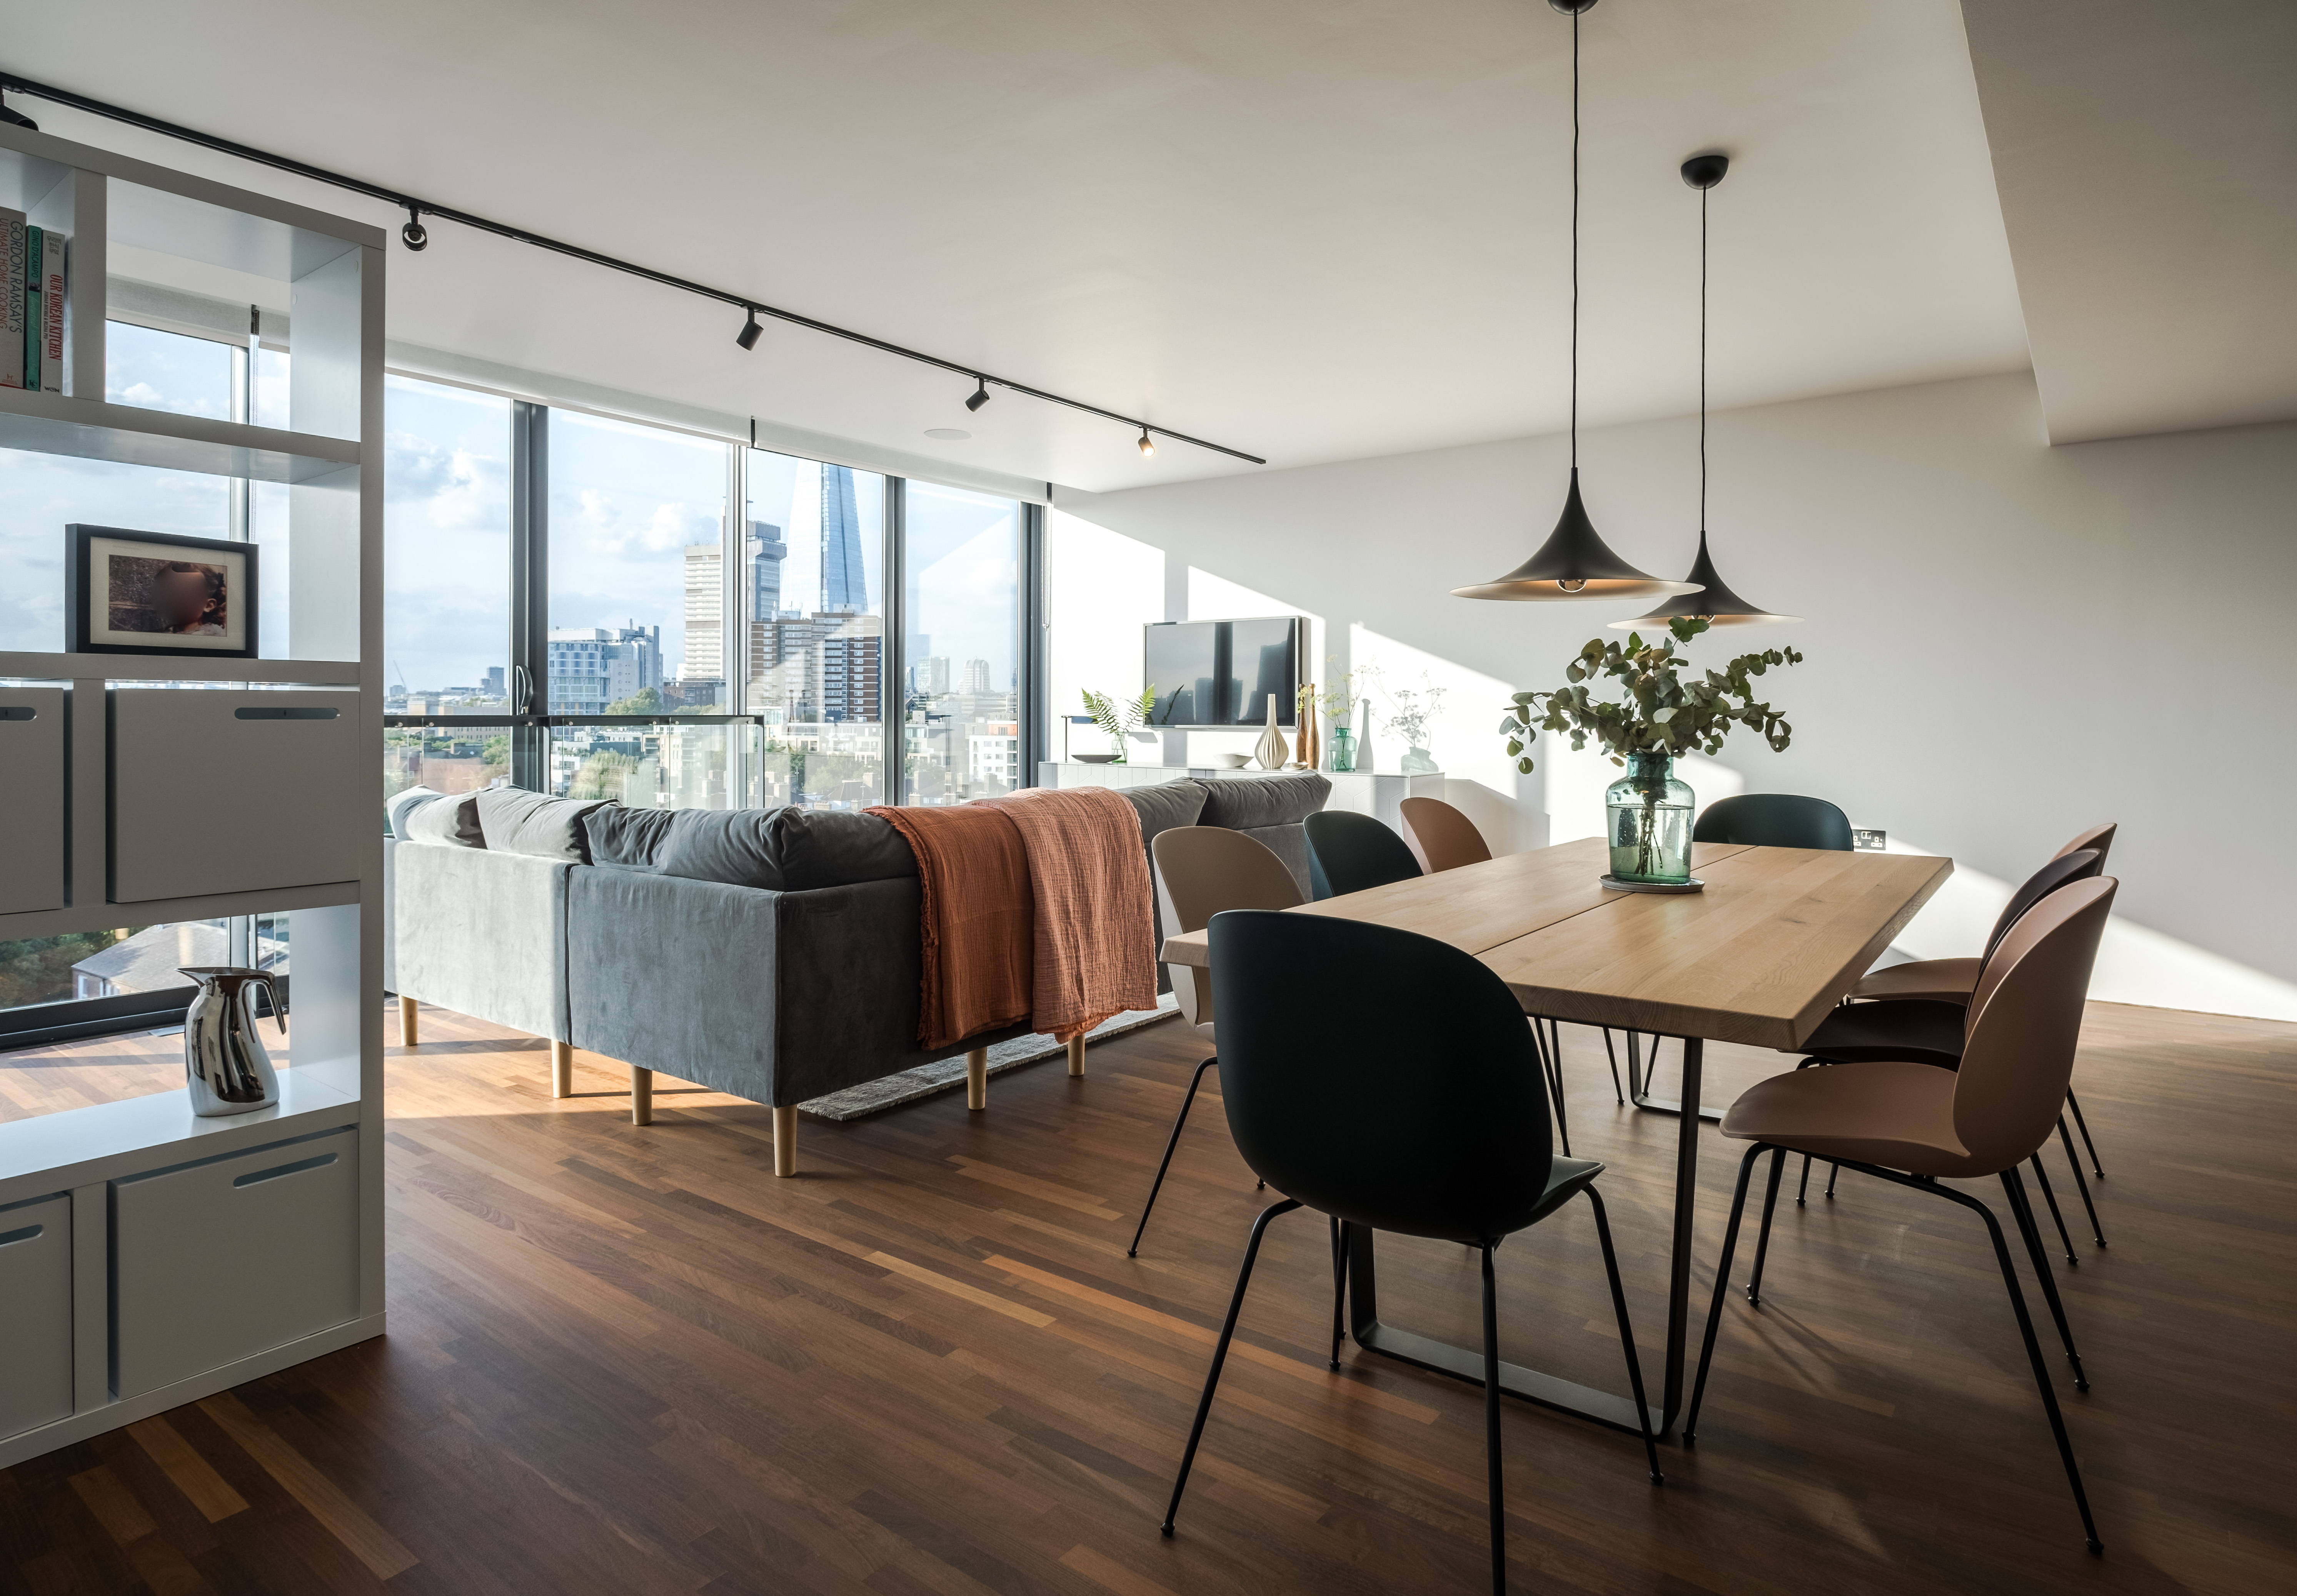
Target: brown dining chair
x,y
1443,838
1201,871
1917,1126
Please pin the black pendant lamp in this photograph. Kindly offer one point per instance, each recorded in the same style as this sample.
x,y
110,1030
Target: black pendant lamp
x,y
1575,562
1714,603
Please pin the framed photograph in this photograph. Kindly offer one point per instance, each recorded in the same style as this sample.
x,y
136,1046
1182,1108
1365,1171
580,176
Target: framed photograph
x,y
128,592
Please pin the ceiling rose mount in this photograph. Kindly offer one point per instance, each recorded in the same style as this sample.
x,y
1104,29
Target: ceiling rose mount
x,y
1575,562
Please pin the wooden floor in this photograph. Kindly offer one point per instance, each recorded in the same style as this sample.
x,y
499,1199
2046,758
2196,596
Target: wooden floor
x,y
628,1361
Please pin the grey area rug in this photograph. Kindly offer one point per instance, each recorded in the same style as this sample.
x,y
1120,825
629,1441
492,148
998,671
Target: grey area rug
x,y
891,1091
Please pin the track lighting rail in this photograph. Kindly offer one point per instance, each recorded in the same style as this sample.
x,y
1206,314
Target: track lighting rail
x,y
416,237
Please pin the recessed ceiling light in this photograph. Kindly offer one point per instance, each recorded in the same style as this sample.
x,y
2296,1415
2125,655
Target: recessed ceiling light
x,y
953,434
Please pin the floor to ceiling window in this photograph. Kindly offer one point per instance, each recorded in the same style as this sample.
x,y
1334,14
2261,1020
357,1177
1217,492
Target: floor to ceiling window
x,y
962,624
813,587
571,608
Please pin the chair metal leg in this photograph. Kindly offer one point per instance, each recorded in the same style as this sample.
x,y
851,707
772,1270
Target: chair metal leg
x,y
1627,1336
1219,1351
1495,1488
1802,1189
1763,1236
1832,1170
2025,1325
2042,1179
1610,1053
1722,1288
2074,1103
2080,1185
1171,1142
2030,1229
1340,1236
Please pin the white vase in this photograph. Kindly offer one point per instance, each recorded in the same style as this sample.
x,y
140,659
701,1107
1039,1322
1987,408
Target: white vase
x,y
1270,750
1364,737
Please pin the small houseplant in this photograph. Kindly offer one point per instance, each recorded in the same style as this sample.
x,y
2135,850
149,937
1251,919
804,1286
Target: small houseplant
x,y
1663,713
1120,718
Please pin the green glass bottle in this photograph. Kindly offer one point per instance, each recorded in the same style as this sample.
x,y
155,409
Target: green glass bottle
x,y
1648,813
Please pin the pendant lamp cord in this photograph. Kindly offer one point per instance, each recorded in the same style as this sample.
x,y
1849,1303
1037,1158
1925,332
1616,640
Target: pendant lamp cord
x,y
1575,241
1702,361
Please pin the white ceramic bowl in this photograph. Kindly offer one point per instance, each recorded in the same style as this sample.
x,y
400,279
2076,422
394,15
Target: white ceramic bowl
x,y
1230,762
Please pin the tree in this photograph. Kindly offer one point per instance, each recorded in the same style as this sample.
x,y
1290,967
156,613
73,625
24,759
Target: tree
x,y
646,700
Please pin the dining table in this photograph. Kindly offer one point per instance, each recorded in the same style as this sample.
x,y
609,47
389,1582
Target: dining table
x,y
1774,939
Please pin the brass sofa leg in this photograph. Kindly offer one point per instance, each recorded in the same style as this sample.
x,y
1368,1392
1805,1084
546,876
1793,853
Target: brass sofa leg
x,y
1076,1054
976,1078
406,1020
561,1069
641,1096
785,1141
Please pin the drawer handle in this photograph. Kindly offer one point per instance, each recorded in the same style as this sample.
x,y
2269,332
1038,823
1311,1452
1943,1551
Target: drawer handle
x,y
17,712
299,713
321,1162
29,1233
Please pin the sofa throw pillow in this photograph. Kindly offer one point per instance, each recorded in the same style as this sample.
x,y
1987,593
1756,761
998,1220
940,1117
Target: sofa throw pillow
x,y
1165,805
399,805
452,820
626,836
1247,803
783,850
516,821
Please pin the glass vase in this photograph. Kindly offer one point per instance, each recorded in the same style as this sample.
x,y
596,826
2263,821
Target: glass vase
x,y
1344,749
1648,812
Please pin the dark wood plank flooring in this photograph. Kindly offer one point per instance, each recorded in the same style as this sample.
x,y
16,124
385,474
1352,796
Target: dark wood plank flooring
x,y
628,1361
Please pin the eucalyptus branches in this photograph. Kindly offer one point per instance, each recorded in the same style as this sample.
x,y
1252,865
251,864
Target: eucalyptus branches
x,y
1661,711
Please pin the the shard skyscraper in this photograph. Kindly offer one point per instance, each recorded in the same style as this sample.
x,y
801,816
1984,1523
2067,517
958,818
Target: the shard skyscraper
x,y
845,583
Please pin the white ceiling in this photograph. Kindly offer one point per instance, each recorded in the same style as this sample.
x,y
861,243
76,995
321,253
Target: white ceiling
x,y
2148,160
1312,229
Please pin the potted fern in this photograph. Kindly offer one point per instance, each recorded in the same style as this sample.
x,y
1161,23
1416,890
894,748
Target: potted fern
x,y
1120,718
1663,713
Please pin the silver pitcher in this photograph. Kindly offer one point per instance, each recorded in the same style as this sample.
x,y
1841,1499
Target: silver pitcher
x,y
223,1055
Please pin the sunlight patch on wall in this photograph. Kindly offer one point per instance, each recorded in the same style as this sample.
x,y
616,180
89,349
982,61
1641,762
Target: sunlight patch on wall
x,y
1460,712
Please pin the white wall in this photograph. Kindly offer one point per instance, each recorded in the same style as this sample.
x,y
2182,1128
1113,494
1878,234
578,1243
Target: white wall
x,y
2008,642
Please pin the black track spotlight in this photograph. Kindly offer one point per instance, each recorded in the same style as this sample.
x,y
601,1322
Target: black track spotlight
x,y
980,395
415,235
17,119
751,332
1145,446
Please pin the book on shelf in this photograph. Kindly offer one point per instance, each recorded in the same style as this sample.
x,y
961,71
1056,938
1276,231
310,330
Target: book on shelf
x,y
13,342
32,308
53,309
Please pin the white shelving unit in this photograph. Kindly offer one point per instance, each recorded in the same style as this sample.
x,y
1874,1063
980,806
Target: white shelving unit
x,y
148,1257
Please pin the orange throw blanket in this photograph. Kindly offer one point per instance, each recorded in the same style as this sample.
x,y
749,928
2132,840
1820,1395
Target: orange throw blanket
x,y
1035,908
978,921
1088,873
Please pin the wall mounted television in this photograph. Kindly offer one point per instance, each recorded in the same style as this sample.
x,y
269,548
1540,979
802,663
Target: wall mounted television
x,y
1215,675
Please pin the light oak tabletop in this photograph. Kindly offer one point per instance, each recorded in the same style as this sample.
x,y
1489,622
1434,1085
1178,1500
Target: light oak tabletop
x,y
1777,938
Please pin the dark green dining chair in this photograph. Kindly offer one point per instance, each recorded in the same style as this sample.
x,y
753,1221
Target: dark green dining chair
x,y
1775,821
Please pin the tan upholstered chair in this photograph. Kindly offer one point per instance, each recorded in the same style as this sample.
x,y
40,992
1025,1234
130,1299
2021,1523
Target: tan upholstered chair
x,y
1953,979
1915,1126
1202,871
1440,837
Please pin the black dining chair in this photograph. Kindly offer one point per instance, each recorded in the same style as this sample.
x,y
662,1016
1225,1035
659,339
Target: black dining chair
x,y
1774,820
1422,1118
1348,852
1931,1030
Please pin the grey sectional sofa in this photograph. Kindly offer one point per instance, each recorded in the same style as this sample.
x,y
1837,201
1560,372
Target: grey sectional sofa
x,y
770,954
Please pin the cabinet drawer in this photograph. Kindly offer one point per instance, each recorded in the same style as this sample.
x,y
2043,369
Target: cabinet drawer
x,y
35,1315
31,799
219,1260
215,791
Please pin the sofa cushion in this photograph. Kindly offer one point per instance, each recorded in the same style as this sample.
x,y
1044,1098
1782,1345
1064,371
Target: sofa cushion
x,y
535,824
1249,803
449,819
398,805
620,835
783,850
1165,805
